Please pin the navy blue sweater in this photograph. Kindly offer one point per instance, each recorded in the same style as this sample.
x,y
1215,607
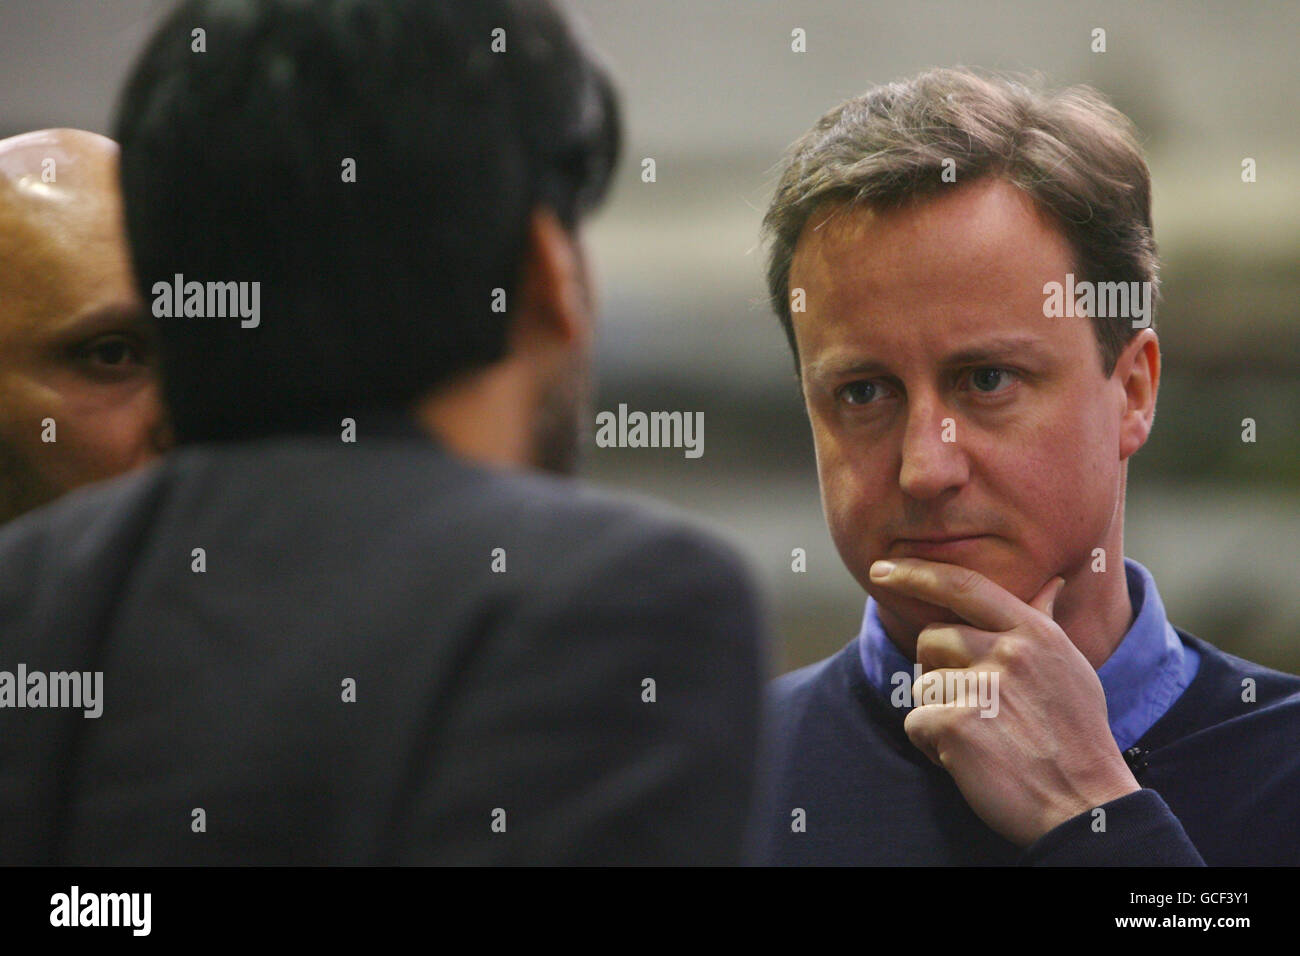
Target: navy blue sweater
x,y
1220,778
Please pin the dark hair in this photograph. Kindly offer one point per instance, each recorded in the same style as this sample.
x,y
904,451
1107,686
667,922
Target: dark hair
x,y
1076,155
373,292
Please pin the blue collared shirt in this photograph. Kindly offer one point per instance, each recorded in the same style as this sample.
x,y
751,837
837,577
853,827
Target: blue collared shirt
x,y
1142,678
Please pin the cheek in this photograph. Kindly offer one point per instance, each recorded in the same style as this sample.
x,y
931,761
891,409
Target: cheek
x,y
100,434
1063,479
103,441
854,484
23,405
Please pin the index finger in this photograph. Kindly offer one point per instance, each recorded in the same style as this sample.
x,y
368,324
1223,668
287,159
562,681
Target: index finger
x,y
968,594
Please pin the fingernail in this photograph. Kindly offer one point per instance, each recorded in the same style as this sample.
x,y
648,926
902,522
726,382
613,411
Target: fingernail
x,y
881,569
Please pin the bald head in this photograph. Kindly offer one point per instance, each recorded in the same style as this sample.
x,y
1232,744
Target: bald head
x,y
78,396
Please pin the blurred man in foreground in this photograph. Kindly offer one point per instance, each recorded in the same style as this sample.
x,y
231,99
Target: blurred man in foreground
x,y
966,271
347,621
78,395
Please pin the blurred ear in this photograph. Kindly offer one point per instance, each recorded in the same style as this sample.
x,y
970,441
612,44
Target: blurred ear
x,y
554,305
1138,371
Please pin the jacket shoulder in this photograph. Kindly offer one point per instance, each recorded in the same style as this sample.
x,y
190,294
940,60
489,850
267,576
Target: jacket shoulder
x,y
67,537
589,533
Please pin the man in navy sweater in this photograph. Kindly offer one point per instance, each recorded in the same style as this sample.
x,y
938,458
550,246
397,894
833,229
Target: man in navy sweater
x,y
965,269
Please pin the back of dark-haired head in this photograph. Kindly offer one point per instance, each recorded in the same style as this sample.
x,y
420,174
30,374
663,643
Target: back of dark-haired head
x,y
461,116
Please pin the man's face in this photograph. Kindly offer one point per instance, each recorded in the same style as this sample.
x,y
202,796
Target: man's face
x,y
944,405
73,345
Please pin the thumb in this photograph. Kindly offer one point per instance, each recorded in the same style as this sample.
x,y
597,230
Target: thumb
x,y
1045,600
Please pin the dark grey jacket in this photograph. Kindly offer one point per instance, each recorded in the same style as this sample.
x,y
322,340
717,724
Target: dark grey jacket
x,y
499,716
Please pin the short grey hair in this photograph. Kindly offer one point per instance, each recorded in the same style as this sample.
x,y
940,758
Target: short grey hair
x,y
1075,154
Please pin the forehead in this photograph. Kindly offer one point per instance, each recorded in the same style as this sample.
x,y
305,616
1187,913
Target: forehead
x,y
929,274
60,255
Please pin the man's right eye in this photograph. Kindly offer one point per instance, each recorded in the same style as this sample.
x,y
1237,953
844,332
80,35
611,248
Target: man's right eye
x,y
858,393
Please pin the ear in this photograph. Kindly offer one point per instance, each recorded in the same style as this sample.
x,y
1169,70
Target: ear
x,y
1137,370
554,307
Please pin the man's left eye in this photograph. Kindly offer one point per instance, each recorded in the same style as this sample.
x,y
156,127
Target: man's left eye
x,y
989,379
111,350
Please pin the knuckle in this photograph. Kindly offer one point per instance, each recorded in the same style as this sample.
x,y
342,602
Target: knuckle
x,y
924,725
916,726
907,572
1011,651
932,633
918,689
930,638
967,581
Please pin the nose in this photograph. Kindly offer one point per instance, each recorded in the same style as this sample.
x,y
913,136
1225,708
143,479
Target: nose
x,y
933,458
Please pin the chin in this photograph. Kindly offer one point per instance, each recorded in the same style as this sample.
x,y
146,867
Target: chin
x,y
914,614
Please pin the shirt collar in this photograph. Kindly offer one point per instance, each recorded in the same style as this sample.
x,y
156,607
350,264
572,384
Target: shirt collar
x,y
1142,678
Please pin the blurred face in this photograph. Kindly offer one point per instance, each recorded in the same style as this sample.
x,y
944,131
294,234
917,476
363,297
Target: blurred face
x,y
74,349
952,420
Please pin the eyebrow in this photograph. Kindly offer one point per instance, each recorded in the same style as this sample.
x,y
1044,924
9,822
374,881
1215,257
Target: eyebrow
x,y
997,349
98,318
993,350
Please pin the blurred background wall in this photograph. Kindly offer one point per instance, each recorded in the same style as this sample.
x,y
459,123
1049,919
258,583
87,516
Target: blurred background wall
x,y
714,93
